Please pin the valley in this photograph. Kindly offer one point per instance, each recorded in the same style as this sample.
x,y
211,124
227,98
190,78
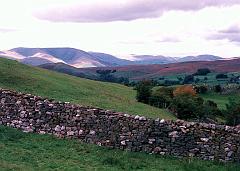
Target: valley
x,y
127,85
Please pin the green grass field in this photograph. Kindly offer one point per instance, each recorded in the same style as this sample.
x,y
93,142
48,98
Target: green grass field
x,y
22,151
26,151
16,76
221,100
210,78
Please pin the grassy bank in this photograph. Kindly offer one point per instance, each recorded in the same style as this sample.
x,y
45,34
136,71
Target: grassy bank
x,y
25,151
16,76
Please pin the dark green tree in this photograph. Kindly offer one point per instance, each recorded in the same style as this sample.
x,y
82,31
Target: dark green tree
x,y
202,71
188,79
186,106
144,89
201,89
221,76
218,88
233,112
162,97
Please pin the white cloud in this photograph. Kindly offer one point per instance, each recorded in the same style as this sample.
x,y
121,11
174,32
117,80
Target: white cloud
x,y
124,10
175,33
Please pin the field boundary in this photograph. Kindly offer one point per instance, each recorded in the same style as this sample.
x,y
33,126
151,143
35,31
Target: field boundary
x,y
179,138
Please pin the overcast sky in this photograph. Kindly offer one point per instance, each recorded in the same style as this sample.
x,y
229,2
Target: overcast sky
x,y
154,27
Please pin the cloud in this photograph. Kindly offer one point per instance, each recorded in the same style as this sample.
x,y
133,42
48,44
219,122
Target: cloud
x,y
124,10
5,30
235,29
168,40
232,34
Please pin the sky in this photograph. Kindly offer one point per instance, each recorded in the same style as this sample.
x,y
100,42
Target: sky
x,y
143,27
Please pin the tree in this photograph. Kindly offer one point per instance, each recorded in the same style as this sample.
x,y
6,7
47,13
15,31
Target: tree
x,y
143,91
221,76
233,112
201,89
186,106
218,88
107,75
180,79
202,71
162,97
188,79
186,89
197,80
171,82
210,110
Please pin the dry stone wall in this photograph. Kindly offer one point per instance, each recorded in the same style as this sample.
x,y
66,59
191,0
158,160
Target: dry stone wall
x,y
119,130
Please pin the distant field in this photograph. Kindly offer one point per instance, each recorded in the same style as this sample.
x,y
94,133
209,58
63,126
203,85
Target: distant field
x,y
221,100
139,72
26,151
208,79
16,76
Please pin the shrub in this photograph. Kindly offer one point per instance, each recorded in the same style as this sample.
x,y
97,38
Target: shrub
x,y
221,76
197,80
201,89
210,109
171,82
186,89
233,112
188,79
218,89
202,71
143,91
187,106
162,97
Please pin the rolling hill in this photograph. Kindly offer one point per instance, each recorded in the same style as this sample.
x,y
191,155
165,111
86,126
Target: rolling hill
x,y
110,60
73,57
200,58
82,59
139,72
35,61
70,70
16,76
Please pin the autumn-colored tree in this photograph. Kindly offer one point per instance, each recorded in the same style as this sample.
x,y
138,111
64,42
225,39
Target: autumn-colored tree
x,y
186,89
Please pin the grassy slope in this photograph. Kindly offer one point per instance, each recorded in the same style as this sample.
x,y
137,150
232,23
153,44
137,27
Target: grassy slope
x,y
22,151
63,87
221,100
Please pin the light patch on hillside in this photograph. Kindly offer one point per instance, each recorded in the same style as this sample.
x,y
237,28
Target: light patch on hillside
x,y
48,57
11,55
85,63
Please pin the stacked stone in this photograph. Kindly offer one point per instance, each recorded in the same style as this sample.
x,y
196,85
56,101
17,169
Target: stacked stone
x,y
119,130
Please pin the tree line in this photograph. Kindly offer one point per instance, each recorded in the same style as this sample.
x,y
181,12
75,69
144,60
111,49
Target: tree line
x,y
185,102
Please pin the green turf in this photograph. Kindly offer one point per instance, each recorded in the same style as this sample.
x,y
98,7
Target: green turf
x,y
26,151
14,75
220,99
21,151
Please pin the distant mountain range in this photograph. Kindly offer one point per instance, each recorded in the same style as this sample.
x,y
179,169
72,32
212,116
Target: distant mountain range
x,y
81,59
140,72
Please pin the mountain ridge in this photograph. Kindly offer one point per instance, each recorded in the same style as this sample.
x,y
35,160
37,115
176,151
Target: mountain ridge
x,y
139,72
82,59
